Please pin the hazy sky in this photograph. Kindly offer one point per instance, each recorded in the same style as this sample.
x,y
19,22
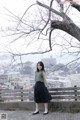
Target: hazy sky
x,y
18,7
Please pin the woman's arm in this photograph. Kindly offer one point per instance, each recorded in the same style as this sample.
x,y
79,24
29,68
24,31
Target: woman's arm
x,y
44,78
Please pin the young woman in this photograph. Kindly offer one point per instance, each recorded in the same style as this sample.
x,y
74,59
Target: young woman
x,y
41,94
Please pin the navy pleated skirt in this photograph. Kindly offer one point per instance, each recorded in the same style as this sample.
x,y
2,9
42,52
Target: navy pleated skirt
x,y
41,93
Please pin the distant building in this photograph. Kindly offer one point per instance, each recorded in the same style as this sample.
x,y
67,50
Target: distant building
x,y
58,81
3,78
75,80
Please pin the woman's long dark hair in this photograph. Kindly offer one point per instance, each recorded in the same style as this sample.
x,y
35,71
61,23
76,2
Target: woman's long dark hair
x,y
41,64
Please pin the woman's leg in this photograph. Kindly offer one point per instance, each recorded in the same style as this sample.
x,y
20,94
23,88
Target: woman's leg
x,y
37,108
46,107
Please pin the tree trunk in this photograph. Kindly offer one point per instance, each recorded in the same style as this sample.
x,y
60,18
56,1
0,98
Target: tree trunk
x,y
70,28
76,6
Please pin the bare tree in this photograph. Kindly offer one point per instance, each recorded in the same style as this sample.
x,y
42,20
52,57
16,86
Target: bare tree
x,y
39,24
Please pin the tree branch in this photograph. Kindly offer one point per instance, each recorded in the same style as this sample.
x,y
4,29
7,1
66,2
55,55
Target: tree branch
x,y
67,27
48,18
63,15
50,44
76,6
31,53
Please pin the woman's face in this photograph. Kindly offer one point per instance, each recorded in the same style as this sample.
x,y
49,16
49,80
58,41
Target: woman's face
x,y
39,66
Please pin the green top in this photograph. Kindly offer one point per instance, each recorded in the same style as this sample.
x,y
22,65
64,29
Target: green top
x,y
39,76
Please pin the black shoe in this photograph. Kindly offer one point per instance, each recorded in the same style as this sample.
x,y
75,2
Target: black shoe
x,y
45,113
36,113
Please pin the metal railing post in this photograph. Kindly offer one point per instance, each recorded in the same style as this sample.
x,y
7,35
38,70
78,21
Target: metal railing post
x,y
75,92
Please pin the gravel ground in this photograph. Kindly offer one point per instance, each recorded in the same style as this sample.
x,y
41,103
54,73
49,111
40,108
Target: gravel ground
x,y
27,115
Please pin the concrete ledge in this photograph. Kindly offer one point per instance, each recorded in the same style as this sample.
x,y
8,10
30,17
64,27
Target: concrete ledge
x,y
18,106
63,106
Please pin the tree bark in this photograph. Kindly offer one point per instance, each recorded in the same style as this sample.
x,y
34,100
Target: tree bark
x,y
70,28
76,6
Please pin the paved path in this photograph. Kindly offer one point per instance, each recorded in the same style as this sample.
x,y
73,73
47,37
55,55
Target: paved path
x,y
27,115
